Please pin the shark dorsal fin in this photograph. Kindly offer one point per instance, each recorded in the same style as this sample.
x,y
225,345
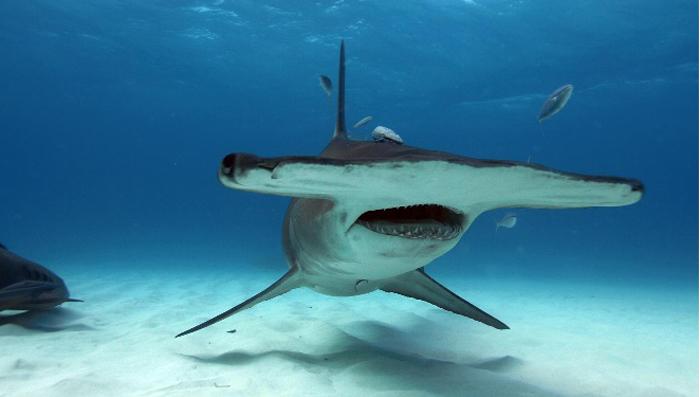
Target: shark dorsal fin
x,y
340,131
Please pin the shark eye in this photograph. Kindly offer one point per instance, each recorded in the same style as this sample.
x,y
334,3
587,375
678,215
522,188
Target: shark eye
x,y
229,161
228,164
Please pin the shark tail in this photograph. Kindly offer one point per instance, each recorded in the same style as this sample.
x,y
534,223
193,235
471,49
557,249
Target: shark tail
x,y
418,285
340,131
286,283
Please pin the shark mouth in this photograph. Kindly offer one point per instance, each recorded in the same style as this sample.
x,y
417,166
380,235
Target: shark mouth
x,y
421,221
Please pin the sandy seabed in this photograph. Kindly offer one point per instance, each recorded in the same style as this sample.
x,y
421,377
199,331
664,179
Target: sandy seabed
x,y
576,339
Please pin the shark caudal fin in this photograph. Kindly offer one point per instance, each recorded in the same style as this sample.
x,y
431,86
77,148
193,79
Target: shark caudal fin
x,y
417,284
286,283
340,131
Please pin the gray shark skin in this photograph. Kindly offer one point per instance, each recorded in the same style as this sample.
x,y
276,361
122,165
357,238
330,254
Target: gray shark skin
x,y
369,216
25,285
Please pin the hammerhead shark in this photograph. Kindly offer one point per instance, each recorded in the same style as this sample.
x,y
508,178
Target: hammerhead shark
x,y
370,215
26,285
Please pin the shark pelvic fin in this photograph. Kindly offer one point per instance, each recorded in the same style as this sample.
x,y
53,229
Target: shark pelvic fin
x,y
417,284
286,283
340,131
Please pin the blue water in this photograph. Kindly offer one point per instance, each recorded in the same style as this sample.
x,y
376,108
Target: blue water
x,y
115,115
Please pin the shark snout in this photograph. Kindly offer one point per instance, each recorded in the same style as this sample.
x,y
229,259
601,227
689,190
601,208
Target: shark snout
x,y
242,162
243,169
239,163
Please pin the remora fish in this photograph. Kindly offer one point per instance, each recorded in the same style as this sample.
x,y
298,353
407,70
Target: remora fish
x,y
25,285
555,102
382,133
369,216
508,222
326,84
362,121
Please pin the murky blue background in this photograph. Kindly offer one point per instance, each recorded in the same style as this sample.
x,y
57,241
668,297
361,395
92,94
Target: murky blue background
x,y
114,116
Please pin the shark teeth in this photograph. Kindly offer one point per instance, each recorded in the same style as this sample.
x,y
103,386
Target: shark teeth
x,y
418,231
418,221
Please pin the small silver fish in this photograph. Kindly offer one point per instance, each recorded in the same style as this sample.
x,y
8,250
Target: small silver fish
x,y
362,122
386,134
326,84
556,102
507,222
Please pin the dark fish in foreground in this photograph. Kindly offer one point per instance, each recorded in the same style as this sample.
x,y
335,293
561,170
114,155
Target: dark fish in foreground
x,y
556,102
25,285
370,215
326,84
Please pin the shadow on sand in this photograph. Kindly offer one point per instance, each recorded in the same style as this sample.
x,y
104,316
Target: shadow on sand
x,y
375,365
53,320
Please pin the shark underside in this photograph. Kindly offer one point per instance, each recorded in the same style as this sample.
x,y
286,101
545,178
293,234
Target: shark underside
x,y
369,216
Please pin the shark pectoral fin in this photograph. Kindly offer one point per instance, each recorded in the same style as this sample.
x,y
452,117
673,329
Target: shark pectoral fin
x,y
286,283
417,284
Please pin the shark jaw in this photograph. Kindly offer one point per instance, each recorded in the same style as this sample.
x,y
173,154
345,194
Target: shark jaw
x,y
418,222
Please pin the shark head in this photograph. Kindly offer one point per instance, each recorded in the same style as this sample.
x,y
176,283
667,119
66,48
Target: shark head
x,y
25,285
391,202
